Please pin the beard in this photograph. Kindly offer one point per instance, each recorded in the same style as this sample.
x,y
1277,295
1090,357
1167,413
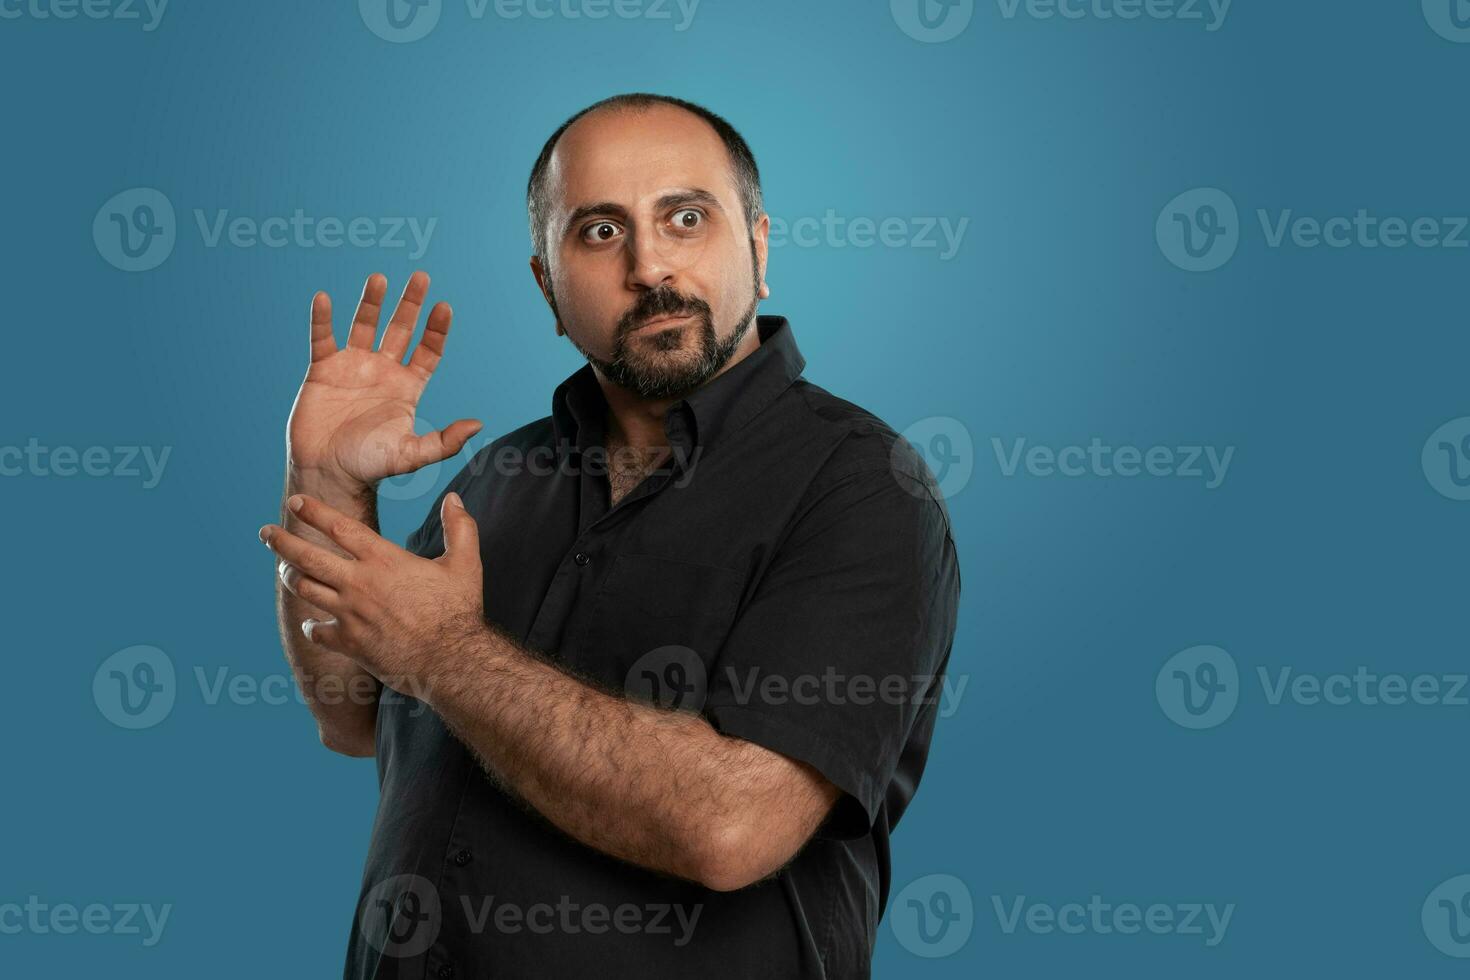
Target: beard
x,y
670,362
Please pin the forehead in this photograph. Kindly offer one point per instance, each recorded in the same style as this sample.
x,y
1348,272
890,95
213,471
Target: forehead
x,y
624,155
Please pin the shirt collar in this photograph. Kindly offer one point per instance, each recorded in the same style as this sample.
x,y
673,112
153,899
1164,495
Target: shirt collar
x,y
578,409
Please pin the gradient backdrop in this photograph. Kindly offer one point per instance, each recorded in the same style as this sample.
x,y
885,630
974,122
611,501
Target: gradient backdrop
x,y
1172,295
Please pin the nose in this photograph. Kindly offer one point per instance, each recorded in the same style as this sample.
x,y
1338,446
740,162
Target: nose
x,y
647,268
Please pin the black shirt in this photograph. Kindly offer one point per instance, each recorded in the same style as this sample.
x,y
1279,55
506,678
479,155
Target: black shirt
x,y
790,572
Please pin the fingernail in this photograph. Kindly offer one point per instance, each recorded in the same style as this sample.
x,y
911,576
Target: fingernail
x,y
264,534
295,502
454,499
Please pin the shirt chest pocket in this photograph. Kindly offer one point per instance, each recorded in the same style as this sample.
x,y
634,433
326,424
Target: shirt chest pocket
x,y
655,626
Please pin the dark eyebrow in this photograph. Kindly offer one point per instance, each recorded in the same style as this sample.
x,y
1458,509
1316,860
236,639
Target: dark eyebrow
x,y
694,195
586,211
680,198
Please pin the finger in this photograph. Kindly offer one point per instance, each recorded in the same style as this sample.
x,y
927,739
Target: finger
x,y
369,308
317,562
303,586
461,533
431,345
405,317
431,447
322,344
354,537
323,632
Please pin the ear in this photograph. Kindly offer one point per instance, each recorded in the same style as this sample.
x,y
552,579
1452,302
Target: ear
x,y
760,236
543,282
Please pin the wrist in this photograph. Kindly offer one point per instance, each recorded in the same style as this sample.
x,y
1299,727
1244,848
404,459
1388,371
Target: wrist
x,y
326,483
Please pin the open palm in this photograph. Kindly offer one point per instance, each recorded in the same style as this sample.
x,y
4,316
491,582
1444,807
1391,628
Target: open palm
x,y
353,417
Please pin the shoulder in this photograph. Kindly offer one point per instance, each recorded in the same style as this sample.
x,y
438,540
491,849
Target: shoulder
x,y
868,458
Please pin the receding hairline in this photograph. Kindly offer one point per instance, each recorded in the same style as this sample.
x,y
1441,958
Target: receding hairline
x,y
549,174
742,171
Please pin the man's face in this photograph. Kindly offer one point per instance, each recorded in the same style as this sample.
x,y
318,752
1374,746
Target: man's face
x,y
653,272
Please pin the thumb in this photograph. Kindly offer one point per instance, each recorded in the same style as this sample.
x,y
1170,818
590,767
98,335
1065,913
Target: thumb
x,y
461,533
434,447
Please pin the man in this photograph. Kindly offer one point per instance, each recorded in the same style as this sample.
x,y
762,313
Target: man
x,y
656,677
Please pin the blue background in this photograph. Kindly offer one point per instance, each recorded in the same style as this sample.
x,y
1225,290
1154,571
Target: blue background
x,y
1059,320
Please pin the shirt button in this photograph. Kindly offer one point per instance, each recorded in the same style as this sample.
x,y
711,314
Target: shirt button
x,y
446,971
462,858
582,558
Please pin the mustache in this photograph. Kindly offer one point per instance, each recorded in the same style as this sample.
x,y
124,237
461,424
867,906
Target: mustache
x,y
661,302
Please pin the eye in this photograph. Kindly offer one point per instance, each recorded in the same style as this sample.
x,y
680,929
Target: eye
x,y
688,219
600,231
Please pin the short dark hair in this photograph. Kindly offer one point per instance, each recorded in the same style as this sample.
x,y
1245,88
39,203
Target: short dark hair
x,y
742,161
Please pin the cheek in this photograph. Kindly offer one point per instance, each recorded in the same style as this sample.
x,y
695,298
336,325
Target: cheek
x,y
589,294
731,293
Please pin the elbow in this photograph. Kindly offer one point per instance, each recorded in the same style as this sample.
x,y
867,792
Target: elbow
x,y
727,860
356,745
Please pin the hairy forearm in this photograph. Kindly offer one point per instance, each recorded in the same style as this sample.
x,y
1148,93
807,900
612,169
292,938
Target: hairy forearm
x,y
343,696
661,789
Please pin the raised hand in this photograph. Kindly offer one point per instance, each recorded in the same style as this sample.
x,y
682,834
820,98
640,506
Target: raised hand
x,y
352,423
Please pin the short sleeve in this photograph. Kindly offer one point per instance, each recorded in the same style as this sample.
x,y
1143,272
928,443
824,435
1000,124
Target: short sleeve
x,y
837,658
